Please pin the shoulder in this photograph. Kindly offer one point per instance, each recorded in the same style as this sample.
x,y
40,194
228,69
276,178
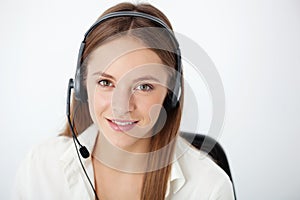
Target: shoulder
x,y
56,153
49,150
41,169
202,175
45,154
46,157
192,159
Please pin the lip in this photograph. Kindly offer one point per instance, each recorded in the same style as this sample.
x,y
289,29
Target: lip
x,y
123,125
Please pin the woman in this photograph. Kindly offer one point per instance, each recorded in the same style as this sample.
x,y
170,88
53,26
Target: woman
x,y
126,110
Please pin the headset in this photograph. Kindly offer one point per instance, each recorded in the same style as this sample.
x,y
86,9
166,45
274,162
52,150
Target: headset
x,y
80,89
80,92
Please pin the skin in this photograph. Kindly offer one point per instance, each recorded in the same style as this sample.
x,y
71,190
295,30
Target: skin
x,y
125,81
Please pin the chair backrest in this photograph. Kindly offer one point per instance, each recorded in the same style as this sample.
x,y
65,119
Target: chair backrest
x,y
212,148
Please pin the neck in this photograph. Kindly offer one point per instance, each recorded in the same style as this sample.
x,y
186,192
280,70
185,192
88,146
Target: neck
x,y
115,184
119,159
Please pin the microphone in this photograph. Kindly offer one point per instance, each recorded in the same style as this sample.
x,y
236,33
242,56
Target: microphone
x,y
82,149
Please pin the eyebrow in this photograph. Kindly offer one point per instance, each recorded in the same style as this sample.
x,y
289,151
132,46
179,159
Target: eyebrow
x,y
148,77
104,75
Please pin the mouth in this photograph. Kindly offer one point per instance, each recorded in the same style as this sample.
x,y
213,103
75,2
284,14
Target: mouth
x,y
121,125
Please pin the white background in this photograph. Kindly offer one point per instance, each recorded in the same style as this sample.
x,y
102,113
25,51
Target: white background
x,y
255,46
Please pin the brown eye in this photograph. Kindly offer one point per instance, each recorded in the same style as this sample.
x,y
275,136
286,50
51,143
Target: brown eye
x,y
105,83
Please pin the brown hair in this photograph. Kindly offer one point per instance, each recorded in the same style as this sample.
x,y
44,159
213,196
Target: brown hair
x,y
155,182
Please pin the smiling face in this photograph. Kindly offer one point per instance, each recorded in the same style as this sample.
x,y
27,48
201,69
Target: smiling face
x,y
126,85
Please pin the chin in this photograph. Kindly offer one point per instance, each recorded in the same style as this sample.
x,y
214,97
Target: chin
x,y
129,143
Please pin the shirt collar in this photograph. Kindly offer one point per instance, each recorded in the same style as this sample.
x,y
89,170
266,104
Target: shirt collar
x,y
177,179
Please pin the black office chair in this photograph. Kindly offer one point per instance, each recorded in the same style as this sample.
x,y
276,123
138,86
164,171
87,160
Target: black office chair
x,y
212,147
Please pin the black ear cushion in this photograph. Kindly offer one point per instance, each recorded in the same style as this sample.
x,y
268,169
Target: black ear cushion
x,y
170,101
176,90
79,87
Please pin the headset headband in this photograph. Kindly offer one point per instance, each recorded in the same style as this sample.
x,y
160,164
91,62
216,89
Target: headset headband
x,y
131,14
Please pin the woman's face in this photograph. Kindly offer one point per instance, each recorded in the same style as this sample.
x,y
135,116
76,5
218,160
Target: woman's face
x,y
126,84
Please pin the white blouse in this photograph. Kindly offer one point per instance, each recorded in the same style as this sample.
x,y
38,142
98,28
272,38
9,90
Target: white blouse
x,y
51,171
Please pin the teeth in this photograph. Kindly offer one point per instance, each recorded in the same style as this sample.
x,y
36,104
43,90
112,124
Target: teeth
x,y
122,123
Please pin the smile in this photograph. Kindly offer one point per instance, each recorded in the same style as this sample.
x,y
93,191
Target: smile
x,y
121,125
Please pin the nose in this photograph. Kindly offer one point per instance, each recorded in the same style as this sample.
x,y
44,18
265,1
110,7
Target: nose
x,y
122,101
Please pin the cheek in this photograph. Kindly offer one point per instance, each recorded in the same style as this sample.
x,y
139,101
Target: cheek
x,y
99,103
150,107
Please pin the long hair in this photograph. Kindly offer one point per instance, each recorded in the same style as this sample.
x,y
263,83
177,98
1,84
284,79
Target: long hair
x,y
155,182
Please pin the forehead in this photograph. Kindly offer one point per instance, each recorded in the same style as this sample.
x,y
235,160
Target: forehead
x,y
124,55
